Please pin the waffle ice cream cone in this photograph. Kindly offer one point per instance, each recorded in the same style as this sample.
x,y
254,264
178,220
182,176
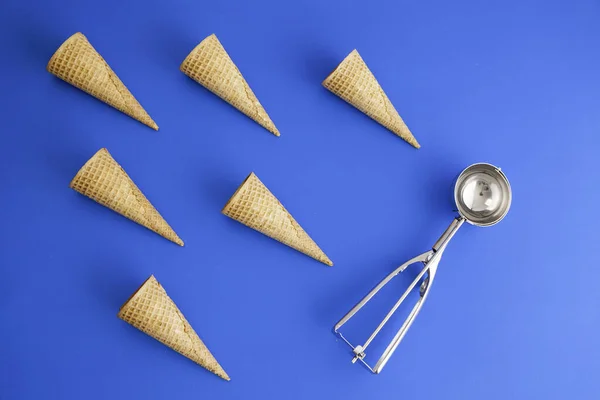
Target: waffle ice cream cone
x,y
79,64
255,206
153,312
104,181
355,83
210,65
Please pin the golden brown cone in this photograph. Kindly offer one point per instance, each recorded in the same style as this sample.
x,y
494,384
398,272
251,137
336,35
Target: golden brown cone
x,y
153,312
255,206
79,64
210,65
103,180
355,83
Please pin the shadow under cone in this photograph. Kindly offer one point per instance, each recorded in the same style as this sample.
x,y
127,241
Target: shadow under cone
x,y
255,206
210,65
79,64
355,83
103,180
153,312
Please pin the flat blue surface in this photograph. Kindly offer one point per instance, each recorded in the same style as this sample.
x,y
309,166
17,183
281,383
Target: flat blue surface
x,y
514,311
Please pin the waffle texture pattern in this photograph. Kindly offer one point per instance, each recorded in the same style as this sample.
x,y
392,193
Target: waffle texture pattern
x,y
355,83
255,206
153,312
79,64
103,180
210,65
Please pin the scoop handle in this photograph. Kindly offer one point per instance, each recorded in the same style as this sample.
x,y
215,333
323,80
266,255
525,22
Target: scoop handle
x,y
430,260
448,234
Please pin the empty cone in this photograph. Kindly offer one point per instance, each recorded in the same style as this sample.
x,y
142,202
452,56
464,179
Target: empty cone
x,y
153,312
79,64
255,206
210,65
103,180
353,82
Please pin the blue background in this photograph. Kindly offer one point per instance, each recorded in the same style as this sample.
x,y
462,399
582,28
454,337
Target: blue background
x,y
514,311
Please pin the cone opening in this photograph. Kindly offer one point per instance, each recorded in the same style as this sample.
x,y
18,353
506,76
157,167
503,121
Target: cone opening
x,y
138,291
92,159
232,199
339,65
187,58
62,46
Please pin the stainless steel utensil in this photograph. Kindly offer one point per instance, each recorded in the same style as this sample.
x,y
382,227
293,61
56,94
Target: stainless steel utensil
x,y
483,196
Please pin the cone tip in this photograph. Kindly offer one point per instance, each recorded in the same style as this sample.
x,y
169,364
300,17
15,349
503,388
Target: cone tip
x,y
220,372
413,140
408,137
325,260
268,124
145,118
405,134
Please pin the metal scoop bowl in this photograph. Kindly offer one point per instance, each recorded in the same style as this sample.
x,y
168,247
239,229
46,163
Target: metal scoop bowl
x,y
483,196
